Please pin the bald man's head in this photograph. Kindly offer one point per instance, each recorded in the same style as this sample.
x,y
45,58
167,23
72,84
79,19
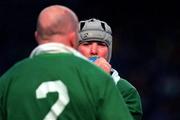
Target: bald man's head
x,y
56,19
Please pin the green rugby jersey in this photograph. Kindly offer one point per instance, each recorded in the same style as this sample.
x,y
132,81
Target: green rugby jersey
x,y
130,95
59,87
131,98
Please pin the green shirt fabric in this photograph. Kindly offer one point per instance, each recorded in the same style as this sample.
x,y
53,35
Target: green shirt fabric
x,y
59,87
131,98
130,95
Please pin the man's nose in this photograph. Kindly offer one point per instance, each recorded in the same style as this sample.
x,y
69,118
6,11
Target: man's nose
x,y
94,49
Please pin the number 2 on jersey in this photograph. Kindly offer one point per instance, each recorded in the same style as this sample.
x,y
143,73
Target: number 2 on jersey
x,y
63,97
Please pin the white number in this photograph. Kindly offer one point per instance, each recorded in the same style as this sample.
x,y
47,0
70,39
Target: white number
x,y
63,98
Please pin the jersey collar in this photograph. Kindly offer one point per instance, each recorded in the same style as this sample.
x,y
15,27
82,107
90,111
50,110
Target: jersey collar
x,y
54,48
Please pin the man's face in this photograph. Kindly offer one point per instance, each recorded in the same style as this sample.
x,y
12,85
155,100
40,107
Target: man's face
x,y
93,48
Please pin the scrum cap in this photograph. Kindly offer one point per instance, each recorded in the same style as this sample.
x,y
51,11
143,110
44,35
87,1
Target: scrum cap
x,y
96,30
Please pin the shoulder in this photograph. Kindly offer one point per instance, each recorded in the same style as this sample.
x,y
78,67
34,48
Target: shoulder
x,y
91,71
14,67
7,76
91,75
124,85
127,89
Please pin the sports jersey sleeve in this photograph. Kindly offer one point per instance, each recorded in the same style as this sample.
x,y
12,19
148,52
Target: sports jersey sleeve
x,y
131,97
112,105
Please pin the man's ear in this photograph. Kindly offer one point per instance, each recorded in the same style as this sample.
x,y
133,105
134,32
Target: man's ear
x,y
73,39
36,35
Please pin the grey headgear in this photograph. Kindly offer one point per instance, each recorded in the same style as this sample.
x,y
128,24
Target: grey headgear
x,y
96,30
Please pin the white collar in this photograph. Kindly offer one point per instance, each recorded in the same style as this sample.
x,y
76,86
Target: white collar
x,y
54,48
115,76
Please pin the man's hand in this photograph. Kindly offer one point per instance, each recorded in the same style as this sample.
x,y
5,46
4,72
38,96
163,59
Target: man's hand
x,y
102,63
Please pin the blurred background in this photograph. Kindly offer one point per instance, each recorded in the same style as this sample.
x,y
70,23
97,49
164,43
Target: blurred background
x,y
145,45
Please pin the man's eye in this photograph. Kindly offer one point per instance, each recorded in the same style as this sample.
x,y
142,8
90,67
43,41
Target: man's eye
x,y
102,44
85,43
